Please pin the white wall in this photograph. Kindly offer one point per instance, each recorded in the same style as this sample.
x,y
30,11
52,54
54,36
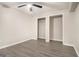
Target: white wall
x,y
15,26
76,30
68,28
56,28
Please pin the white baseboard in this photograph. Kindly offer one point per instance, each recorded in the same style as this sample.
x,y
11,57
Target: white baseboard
x,y
77,51
73,47
67,44
5,46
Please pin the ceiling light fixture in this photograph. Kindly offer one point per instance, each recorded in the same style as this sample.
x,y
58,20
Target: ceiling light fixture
x,y
29,5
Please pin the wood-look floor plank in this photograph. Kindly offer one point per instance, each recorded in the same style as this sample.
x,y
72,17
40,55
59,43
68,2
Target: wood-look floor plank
x,y
38,48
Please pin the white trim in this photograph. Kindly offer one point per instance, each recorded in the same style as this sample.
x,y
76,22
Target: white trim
x,y
77,51
47,41
38,25
5,46
67,44
62,27
57,40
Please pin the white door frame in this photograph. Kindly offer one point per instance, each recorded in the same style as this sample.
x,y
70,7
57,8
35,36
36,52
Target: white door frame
x,y
62,23
47,18
38,25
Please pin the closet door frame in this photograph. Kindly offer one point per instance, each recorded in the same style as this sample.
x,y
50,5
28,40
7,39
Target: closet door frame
x,y
62,23
38,25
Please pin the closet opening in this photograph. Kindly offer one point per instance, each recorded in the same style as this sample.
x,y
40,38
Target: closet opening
x,y
41,28
56,28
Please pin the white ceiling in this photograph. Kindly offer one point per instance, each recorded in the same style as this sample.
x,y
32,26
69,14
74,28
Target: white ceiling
x,y
53,5
47,6
57,5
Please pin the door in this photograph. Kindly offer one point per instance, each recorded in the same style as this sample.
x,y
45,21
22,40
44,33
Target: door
x,y
41,28
56,28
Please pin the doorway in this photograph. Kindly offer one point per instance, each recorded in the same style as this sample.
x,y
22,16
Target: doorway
x,y
41,28
56,28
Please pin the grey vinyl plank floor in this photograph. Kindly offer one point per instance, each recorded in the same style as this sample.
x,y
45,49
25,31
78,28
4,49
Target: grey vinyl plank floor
x,y
38,48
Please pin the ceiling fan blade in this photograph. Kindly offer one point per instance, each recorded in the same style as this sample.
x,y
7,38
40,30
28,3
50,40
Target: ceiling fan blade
x,y
4,5
39,6
21,6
